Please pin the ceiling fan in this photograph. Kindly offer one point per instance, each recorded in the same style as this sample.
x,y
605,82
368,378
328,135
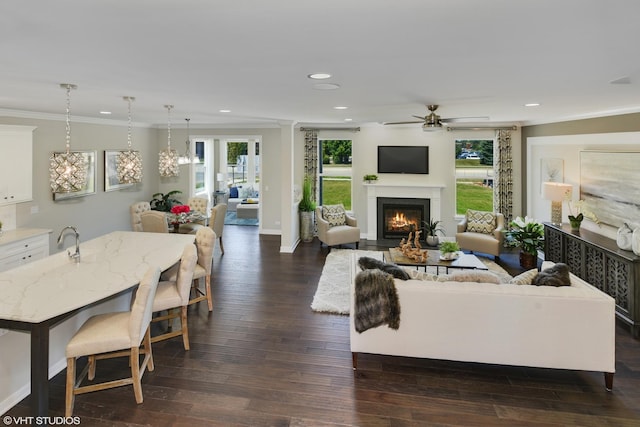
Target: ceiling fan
x,y
432,121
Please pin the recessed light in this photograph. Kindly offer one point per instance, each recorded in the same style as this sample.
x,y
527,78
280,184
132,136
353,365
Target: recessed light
x,y
225,111
348,120
326,86
106,113
340,107
319,76
532,104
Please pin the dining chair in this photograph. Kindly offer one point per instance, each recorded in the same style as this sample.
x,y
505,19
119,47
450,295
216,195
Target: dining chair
x,y
135,210
110,335
154,222
173,296
201,205
205,242
216,221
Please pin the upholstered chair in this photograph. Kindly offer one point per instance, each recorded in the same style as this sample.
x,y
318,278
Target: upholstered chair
x,y
201,205
481,231
216,221
135,210
173,296
111,335
205,242
154,222
336,227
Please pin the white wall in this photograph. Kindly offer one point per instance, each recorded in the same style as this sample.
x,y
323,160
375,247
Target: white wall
x,y
568,147
441,163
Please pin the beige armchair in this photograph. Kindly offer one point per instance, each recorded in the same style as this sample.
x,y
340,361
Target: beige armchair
x,y
333,235
481,232
216,221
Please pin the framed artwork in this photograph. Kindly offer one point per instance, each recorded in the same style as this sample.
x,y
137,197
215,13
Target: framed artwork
x,y
111,182
90,186
609,185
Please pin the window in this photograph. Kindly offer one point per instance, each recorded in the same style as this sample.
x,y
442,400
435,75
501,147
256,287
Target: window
x,y
474,175
334,175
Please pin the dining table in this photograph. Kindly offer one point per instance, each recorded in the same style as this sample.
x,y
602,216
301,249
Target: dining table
x,y
41,294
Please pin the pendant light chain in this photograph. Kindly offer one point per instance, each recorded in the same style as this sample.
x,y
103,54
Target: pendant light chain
x,y
129,128
169,107
68,143
129,162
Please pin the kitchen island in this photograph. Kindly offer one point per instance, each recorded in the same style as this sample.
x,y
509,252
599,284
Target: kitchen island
x,y
41,294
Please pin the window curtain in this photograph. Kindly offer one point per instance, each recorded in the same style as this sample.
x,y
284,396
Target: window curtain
x,y
503,175
311,159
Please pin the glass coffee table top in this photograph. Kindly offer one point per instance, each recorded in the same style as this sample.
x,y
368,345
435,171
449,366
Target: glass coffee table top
x,y
468,261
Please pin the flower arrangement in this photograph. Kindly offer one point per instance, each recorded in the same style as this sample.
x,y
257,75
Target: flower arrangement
x,y
579,211
178,209
526,234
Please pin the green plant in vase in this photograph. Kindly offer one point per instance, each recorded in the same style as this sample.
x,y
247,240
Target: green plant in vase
x,y
528,235
449,250
164,202
307,206
370,178
431,230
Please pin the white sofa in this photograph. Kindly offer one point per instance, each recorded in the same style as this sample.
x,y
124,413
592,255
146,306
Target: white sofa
x,y
570,327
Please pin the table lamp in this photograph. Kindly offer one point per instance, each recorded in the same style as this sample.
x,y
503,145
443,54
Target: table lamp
x,y
220,179
556,192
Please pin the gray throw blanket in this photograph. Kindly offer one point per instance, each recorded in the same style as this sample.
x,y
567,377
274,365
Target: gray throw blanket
x,y
377,301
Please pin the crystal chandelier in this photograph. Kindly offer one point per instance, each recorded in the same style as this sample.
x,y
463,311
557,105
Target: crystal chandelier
x,y
129,162
169,158
186,159
67,170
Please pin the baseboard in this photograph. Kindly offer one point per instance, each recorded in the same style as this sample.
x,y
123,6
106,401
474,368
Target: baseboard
x,y
16,397
272,231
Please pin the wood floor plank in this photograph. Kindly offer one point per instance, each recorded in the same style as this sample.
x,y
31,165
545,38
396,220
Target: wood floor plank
x,y
264,358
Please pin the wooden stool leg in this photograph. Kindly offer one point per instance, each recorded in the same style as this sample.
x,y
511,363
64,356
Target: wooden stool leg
x,y
135,374
207,284
185,328
71,379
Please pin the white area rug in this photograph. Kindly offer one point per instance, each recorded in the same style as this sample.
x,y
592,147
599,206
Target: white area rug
x,y
332,295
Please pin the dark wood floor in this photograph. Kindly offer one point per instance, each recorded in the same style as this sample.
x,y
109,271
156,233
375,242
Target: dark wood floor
x,y
263,358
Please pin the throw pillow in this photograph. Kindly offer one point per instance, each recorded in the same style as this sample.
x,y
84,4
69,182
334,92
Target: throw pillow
x,y
525,278
480,221
368,263
558,275
334,214
233,193
246,192
376,301
478,276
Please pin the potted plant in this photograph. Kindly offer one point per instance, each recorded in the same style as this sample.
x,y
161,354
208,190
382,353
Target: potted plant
x,y
528,235
369,178
431,228
164,202
449,250
307,207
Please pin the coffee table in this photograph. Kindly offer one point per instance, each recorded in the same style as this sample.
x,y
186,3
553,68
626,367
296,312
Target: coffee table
x,y
464,261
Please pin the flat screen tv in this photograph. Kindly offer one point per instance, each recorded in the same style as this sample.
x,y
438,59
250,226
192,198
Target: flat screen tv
x,y
403,159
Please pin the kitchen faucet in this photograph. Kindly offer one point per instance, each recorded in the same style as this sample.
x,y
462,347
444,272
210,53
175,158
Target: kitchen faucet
x,y
76,255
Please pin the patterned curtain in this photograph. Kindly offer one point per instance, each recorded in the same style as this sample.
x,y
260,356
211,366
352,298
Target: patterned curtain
x,y
311,159
503,175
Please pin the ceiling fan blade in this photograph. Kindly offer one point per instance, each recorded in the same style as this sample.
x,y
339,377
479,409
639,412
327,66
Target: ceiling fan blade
x,y
402,123
419,117
464,119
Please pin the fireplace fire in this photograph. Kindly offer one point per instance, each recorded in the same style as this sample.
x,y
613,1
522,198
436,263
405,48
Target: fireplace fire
x,y
398,217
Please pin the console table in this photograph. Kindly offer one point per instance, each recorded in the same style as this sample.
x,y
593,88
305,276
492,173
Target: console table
x,y
599,261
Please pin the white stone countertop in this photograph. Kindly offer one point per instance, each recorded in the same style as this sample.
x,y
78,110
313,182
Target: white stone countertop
x,y
46,288
10,236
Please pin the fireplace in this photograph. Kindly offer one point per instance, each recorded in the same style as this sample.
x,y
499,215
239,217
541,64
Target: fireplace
x,y
397,217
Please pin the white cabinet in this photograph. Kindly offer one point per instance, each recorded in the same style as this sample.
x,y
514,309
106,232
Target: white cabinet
x,y
23,250
16,164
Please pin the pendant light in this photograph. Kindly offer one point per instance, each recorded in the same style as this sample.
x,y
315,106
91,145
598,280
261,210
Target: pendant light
x,y
186,159
168,164
68,169
129,162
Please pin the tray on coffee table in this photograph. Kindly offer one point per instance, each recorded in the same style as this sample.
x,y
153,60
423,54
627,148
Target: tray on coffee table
x,y
466,261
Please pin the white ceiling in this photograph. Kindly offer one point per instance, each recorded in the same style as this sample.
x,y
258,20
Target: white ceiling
x,y
390,58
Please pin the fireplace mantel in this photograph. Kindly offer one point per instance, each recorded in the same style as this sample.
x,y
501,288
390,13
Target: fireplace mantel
x,y
401,190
